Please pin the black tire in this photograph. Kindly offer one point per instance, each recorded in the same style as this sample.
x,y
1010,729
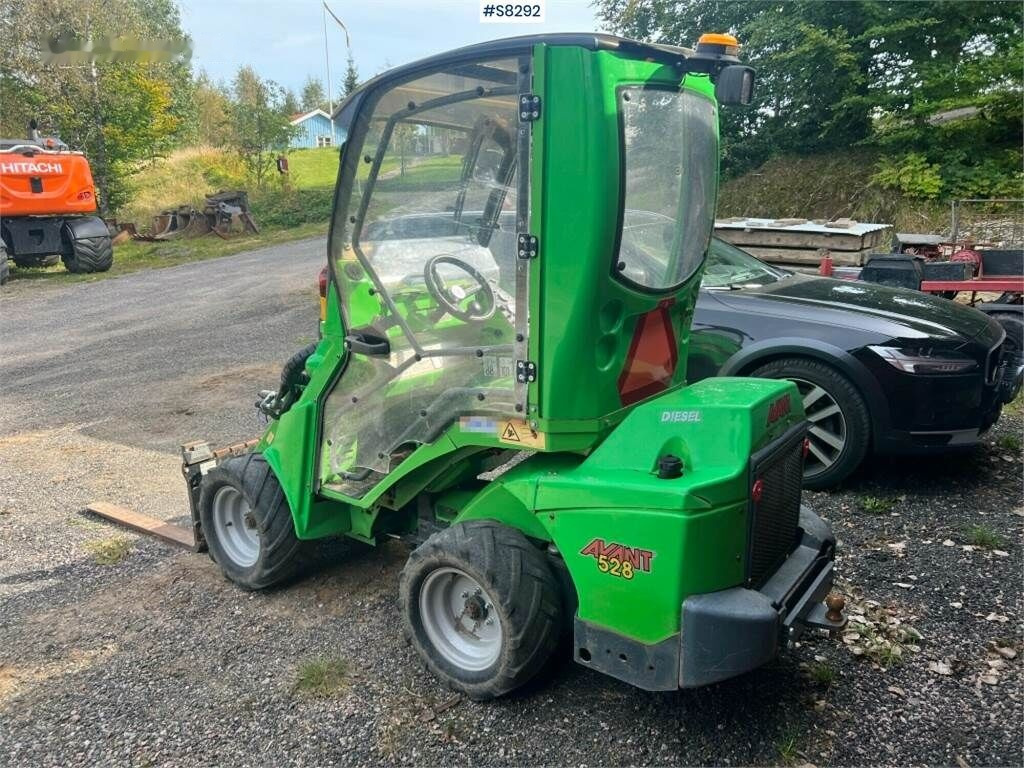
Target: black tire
x,y
31,262
518,585
852,421
293,374
1013,349
5,266
271,522
89,254
1013,324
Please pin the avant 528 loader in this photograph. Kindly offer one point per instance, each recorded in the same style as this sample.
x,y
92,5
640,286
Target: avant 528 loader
x,y
501,378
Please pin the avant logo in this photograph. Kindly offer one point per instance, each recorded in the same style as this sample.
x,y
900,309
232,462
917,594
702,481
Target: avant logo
x,y
618,559
779,408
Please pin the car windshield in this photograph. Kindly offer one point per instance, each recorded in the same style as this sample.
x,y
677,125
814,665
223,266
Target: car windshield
x,y
729,267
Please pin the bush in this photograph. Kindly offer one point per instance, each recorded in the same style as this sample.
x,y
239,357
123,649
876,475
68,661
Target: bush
x,y
291,207
910,174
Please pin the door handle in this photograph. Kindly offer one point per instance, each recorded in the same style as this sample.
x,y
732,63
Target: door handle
x,y
368,344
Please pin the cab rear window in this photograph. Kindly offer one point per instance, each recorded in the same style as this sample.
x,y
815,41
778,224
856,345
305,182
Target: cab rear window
x,y
670,159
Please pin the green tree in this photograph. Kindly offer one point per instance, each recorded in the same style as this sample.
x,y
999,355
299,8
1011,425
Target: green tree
x,y
213,112
351,81
313,96
121,114
831,75
289,102
261,131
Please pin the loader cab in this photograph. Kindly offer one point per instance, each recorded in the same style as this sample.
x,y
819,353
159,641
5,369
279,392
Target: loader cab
x,y
515,251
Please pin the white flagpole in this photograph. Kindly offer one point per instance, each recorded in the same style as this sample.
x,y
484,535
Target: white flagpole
x,y
327,60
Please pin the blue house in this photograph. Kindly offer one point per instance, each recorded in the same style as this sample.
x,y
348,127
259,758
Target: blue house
x,y
315,129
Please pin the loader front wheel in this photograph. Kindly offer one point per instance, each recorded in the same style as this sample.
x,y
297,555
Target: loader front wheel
x,y
247,523
481,606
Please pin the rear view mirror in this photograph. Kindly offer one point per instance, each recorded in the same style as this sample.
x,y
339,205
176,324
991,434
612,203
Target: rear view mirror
x,y
735,85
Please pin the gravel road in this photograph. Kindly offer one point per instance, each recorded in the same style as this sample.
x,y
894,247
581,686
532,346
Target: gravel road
x,y
155,660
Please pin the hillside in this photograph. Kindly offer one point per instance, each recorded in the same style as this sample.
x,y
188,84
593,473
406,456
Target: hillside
x,y
827,186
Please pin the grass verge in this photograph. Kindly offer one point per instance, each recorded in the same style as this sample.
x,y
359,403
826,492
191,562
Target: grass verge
x,y
109,551
322,678
985,537
877,505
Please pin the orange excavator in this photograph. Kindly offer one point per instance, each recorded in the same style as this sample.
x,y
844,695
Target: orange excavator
x,y
48,206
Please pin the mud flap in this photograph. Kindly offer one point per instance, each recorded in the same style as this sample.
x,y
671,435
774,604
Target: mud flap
x,y
198,458
85,227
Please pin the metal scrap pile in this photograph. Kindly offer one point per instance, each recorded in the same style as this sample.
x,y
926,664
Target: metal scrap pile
x,y
223,213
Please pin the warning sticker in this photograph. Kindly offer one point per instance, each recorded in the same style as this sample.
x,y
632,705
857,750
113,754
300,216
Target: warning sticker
x,y
518,432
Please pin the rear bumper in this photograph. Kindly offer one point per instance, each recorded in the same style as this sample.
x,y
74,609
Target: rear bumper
x,y
45,235
729,632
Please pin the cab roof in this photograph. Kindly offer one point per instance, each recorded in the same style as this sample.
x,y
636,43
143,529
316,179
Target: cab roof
x,y
510,46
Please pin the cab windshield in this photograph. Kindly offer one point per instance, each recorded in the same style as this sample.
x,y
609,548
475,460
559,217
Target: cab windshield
x,y
730,268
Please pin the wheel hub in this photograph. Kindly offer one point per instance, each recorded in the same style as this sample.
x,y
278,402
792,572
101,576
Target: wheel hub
x,y
234,526
476,608
459,619
827,430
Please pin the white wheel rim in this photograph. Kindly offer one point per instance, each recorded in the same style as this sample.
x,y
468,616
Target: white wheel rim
x,y
460,619
235,527
827,432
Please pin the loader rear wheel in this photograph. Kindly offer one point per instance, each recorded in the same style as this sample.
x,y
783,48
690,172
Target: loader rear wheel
x,y
481,606
89,254
247,523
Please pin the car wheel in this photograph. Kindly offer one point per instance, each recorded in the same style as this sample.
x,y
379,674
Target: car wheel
x,y
1013,348
1013,324
839,426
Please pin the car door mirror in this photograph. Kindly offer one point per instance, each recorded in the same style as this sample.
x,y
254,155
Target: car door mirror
x,y
735,85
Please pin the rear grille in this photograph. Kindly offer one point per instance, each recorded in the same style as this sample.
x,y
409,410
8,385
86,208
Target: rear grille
x,y
774,519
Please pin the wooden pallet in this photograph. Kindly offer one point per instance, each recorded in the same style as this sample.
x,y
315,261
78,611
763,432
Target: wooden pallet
x,y
151,526
834,241
811,257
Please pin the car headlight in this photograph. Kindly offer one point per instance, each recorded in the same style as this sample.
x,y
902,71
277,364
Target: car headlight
x,y
926,361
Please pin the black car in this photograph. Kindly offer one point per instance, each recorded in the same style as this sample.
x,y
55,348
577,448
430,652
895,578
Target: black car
x,y
880,369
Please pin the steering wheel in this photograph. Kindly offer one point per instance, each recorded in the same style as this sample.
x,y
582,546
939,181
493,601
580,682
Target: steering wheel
x,y
450,297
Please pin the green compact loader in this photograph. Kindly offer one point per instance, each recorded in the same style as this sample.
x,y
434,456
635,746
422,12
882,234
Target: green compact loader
x,y
517,242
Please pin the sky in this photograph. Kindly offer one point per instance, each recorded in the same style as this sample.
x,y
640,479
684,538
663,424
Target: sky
x,y
283,40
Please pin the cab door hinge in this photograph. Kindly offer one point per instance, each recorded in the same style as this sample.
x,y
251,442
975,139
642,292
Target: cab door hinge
x,y
526,371
529,107
528,246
